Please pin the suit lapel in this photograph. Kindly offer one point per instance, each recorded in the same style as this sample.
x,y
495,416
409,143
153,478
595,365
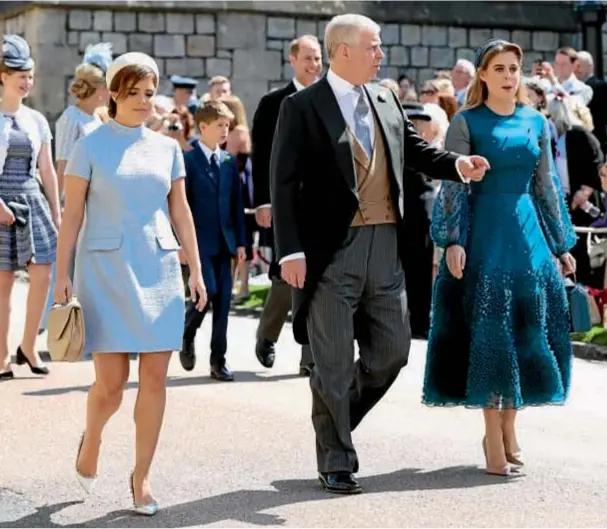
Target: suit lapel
x,y
389,128
333,120
223,169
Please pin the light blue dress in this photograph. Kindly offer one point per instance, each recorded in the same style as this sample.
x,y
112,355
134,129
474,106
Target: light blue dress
x,y
500,336
127,274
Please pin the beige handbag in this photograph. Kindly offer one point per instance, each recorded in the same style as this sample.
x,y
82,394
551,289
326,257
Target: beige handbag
x,y
65,326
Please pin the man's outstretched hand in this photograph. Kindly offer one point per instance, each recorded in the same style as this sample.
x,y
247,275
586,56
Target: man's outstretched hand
x,y
472,168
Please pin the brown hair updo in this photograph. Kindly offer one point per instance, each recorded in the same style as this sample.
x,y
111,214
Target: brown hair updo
x,y
124,81
477,93
87,79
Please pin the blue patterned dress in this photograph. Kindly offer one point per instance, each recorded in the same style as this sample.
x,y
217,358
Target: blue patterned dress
x,y
500,336
37,241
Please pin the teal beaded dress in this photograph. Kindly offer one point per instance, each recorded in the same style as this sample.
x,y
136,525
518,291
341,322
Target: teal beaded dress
x,y
499,336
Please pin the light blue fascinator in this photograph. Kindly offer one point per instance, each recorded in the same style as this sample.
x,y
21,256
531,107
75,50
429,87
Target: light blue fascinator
x,y
99,55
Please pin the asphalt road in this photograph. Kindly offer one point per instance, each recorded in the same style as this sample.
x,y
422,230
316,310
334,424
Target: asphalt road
x,y
242,454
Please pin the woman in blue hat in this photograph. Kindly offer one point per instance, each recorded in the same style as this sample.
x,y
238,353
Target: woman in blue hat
x,y
81,118
28,220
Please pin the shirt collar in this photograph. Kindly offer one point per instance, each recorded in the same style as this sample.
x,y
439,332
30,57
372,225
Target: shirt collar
x,y
571,80
208,152
298,85
340,86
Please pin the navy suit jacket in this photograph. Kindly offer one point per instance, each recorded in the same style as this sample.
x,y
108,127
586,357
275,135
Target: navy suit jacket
x,y
217,207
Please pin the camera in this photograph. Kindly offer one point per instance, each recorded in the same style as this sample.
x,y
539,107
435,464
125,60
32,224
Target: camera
x,y
175,126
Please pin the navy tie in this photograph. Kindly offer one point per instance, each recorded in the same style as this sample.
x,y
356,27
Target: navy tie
x,y
214,167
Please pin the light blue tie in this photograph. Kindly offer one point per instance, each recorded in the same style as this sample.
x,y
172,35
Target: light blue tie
x,y
361,127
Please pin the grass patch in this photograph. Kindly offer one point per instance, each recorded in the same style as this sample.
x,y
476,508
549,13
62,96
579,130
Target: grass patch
x,y
597,336
259,293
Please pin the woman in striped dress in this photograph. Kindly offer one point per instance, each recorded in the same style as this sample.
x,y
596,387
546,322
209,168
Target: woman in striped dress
x,y
28,221
78,120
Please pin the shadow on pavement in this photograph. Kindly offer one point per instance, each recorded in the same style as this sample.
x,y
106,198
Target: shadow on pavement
x,y
172,382
247,506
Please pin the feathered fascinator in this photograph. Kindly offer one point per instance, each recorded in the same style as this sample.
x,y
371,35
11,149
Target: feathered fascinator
x,y
99,55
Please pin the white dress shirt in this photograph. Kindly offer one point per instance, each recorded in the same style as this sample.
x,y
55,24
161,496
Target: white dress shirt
x,y
298,85
208,152
347,99
574,87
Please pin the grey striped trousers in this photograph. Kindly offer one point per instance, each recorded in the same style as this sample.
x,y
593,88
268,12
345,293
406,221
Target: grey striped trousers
x,y
363,286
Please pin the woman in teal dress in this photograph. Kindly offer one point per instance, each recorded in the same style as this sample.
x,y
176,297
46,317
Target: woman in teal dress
x,y
499,338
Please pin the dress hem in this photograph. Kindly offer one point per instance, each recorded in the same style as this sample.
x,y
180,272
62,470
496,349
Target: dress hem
x,y
468,406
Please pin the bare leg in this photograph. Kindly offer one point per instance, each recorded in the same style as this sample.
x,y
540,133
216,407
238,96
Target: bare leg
x,y
39,281
104,399
7,279
509,429
149,414
494,443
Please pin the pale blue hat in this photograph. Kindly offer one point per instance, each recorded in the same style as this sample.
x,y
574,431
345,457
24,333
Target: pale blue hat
x,y
99,55
16,53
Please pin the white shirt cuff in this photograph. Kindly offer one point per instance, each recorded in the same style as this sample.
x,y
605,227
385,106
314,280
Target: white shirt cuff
x,y
293,256
462,177
264,206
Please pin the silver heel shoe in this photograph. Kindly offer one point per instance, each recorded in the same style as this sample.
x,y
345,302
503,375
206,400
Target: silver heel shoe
x,y
146,509
87,483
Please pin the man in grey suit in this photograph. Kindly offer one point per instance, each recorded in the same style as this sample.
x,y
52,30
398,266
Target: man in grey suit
x,y
336,175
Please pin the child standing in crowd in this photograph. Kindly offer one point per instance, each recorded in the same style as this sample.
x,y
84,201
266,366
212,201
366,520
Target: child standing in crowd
x,y
215,197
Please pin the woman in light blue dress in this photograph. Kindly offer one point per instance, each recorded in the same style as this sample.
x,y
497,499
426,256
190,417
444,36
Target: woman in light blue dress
x,y
499,339
127,276
78,120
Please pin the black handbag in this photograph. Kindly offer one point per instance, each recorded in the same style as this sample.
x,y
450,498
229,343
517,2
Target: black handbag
x,y
21,212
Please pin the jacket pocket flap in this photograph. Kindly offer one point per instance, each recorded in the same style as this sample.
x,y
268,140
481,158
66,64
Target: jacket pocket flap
x,y
107,243
167,242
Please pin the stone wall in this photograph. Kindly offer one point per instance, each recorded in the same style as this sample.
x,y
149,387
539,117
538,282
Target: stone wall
x,y
248,41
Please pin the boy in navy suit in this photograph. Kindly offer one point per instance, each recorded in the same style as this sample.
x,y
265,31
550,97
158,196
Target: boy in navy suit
x,y
215,197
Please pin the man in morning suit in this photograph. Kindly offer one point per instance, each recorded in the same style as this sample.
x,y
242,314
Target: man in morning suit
x,y
306,60
336,180
215,197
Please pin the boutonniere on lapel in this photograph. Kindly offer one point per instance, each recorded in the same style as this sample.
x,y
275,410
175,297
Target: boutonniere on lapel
x,y
382,96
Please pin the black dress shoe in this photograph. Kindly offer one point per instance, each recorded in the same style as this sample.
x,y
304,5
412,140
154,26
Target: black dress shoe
x,y
264,351
339,483
221,373
36,370
187,356
7,375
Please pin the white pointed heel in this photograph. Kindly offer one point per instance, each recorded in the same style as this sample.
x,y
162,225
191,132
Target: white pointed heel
x,y
146,509
87,483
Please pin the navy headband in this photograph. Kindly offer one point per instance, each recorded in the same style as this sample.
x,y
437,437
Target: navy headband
x,y
485,48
